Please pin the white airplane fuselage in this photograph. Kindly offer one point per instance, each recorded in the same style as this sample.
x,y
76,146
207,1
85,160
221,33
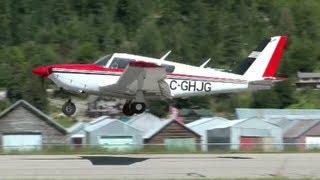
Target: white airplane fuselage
x,y
184,81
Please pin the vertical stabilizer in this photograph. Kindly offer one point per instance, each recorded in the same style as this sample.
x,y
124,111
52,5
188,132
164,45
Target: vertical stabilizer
x,y
267,61
264,61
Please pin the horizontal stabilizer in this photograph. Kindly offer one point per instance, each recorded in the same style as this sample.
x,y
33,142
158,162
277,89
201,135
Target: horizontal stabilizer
x,y
260,85
267,83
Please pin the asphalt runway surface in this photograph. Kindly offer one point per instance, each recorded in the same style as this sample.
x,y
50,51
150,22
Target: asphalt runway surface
x,y
166,166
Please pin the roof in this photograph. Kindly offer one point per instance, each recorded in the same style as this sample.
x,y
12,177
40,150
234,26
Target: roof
x,y
293,128
221,123
76,127
98,119
79,127
206,122
227,124
299,128
145,121
36,111
161,126
103,121
98,124
283,123
243,113
155,130
308,75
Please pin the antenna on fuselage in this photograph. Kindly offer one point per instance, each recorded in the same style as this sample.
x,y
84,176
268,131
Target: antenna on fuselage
x,y
205,63
165,56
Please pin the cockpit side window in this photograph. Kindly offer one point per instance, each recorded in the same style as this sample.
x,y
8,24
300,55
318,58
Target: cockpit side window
x,y
120,63
104,60
169,68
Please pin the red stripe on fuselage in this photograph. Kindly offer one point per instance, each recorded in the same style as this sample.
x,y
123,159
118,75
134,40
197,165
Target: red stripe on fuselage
x,y
143,64
93,68
275,58
86,67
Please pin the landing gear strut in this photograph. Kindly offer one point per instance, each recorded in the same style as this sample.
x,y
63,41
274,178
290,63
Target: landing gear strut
x,y
69,108
130,108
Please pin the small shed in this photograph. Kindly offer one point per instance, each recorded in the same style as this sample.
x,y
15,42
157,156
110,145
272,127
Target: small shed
x,y
304,132
170,133
24,126
202,125
173,135
298,125
113,133
245,134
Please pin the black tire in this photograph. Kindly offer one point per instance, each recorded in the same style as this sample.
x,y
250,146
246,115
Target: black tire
x,y
69,108
138,108
127,110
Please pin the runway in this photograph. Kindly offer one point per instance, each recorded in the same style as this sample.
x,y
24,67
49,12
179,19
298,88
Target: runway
x,y
166,166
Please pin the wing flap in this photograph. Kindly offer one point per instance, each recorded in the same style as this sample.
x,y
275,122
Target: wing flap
x,y
147,77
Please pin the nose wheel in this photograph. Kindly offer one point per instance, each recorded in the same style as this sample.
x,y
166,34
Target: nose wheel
x,y
130,108
69,108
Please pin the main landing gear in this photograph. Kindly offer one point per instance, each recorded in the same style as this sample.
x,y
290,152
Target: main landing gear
x,y
69,108
130,108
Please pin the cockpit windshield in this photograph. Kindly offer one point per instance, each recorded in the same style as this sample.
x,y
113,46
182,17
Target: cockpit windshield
x,y
103,60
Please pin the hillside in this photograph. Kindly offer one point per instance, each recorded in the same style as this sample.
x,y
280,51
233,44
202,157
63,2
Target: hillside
x,y
37,32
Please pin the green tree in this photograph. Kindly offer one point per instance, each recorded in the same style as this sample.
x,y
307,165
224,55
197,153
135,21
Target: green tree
x,y
266,99
87,52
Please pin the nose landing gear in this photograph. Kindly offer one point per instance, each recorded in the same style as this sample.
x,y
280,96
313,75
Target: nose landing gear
x,y
69,108
130,108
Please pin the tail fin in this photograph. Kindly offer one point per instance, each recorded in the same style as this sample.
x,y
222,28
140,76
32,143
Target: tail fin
x,y
264,60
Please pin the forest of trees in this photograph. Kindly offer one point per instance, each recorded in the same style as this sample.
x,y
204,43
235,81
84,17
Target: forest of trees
x,y
35,32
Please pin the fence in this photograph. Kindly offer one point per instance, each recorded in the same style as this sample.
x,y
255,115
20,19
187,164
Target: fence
x,y
160,148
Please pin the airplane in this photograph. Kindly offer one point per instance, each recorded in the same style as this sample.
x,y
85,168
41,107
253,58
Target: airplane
x,y
139,79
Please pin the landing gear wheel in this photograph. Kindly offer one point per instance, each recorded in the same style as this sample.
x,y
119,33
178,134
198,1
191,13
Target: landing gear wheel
x,y
138,108
127,110
69,108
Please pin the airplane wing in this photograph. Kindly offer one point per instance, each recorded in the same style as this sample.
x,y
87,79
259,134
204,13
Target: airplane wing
x,y
141,76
